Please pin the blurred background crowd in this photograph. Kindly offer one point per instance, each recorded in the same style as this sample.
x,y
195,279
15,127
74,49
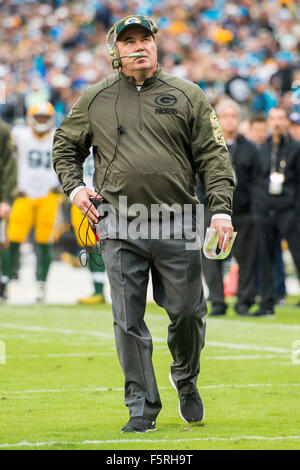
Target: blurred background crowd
x,y
248,49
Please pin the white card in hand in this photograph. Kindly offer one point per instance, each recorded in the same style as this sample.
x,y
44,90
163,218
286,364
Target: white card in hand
x,y
210,245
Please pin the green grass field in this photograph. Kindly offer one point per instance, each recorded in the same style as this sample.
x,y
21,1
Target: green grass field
x,y
62,386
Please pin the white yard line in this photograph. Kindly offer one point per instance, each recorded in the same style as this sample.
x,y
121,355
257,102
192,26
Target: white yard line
x,y
102,335
256,325
249,385
62,390
211,322
72,388
154,441
43,329
251,347
112,353
55,355
246,357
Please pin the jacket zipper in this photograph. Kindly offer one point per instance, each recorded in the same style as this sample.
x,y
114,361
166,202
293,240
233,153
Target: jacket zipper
x,y
140,109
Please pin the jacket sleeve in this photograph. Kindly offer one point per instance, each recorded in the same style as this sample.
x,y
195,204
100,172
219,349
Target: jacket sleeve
x,y
71,146
211,158
8,179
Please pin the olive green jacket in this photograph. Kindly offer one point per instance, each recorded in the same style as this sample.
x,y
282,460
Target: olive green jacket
x,y
147,145
8,167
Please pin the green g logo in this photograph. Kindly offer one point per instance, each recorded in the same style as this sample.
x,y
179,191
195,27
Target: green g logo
x,y
165,100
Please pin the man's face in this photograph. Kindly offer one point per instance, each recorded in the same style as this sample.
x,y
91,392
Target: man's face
x,y
278,122
137,39
229,120
258,132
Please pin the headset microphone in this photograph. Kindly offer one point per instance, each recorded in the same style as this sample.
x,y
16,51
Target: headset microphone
x,y
134,54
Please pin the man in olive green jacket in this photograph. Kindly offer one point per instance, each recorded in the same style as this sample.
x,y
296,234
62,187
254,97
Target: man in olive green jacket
x,y
8,180
151,133
8,171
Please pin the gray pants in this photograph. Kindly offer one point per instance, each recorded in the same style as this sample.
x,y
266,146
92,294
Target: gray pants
x,y
177,287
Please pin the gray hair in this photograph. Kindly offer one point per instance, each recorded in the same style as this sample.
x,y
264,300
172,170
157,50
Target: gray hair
x,y
227,103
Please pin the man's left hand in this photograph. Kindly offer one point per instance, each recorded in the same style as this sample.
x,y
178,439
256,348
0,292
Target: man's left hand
x,y
224,227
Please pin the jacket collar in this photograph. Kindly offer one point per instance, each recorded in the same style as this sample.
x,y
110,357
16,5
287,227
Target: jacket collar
x,y
147,83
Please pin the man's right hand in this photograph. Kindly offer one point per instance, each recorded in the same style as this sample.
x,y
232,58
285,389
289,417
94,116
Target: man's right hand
x,y
5,209
82,201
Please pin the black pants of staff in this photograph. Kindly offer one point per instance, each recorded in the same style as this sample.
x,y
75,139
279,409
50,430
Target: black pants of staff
x,y
243,250
286,225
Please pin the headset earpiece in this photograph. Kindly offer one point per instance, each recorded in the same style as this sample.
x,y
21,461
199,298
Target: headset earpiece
x,y
115,57
154,27
113,50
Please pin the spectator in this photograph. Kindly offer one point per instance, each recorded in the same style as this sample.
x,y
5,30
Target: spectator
x,y
264,99
209,43
244,128
258,131
244,161
294,128
258,134
275,202
282,79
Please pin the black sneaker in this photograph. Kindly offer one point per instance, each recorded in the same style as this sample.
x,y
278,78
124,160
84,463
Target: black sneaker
x,y
139,424
242,309
191,408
